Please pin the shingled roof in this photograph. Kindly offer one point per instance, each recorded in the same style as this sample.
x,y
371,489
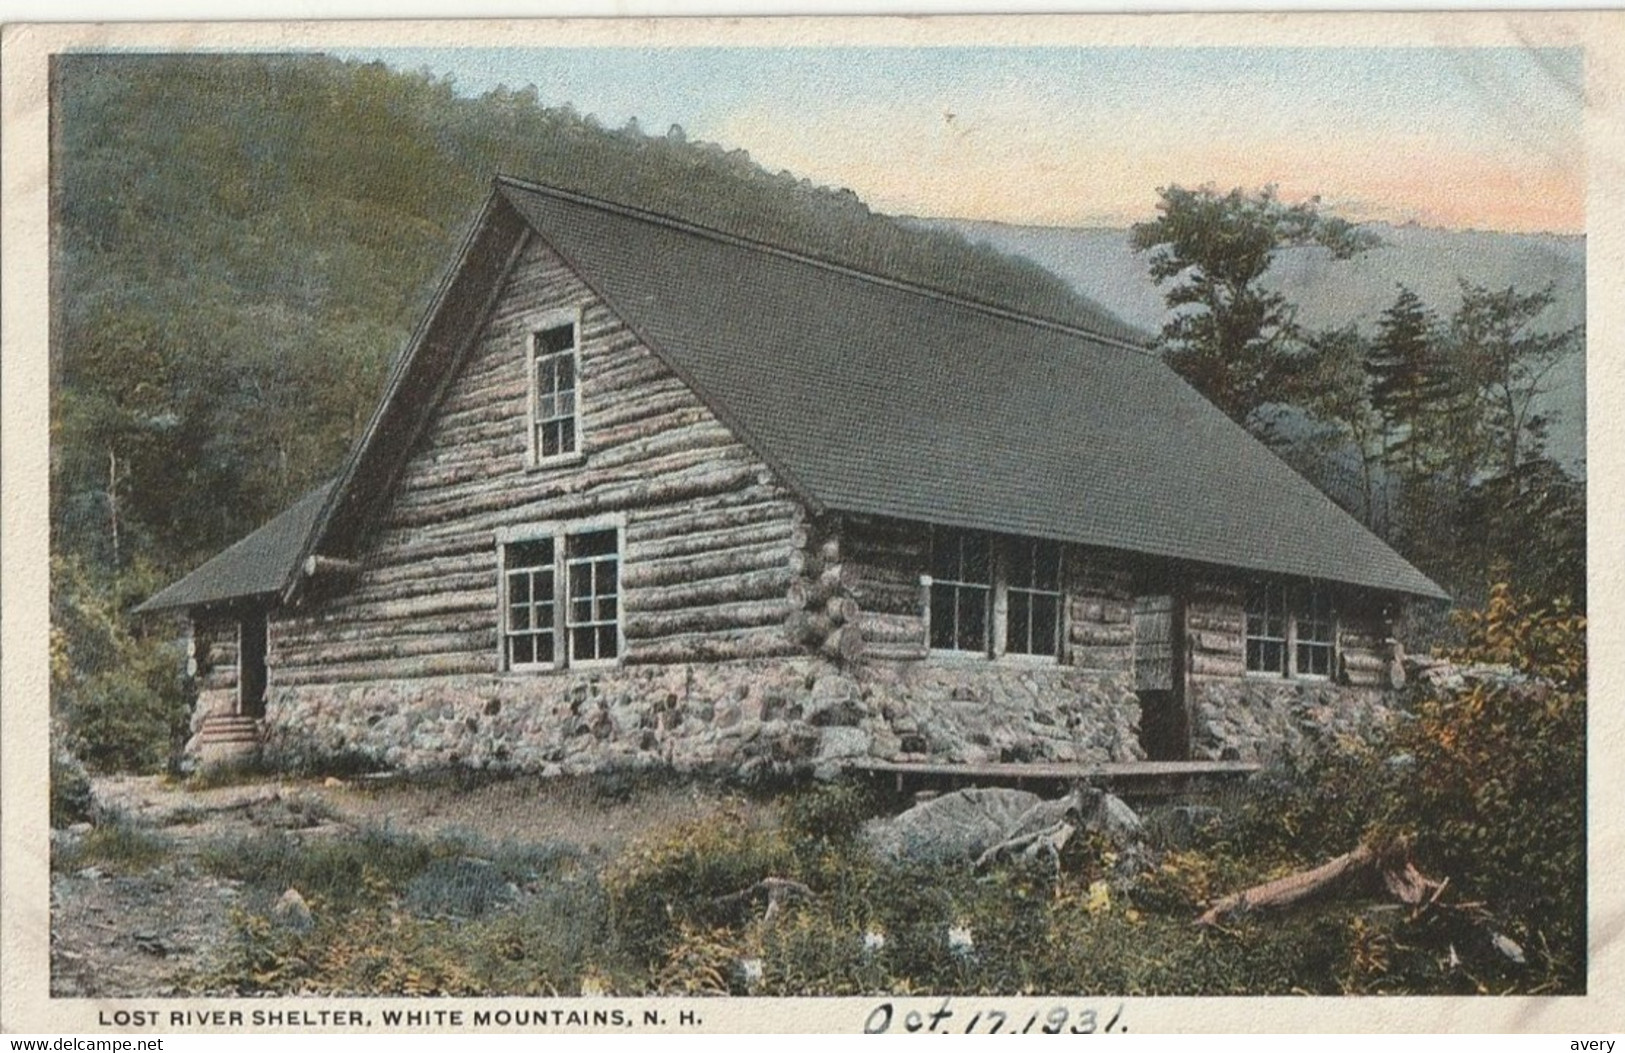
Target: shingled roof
x,y
875,396
258,565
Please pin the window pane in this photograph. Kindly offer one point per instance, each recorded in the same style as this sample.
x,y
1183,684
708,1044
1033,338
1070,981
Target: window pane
x,y
597,543
945,555
978,566
519,617
942,617
608,641
583,644
972,634
1047,566
559,338
521,650
1045,623
537,553
1018,627
606,609
1019,572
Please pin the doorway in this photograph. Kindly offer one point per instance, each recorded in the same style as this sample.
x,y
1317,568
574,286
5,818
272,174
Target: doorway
x,y
251,673
1159,677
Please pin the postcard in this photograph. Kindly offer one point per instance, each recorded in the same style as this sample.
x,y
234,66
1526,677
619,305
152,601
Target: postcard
x,y
1050,524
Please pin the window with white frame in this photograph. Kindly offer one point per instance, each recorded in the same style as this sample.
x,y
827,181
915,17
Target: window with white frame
x,y
1315,633
1032,576
561,599
555,360
961,591
1290,632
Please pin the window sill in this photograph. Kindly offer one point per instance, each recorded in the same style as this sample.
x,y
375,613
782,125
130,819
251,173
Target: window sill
x,y
567,460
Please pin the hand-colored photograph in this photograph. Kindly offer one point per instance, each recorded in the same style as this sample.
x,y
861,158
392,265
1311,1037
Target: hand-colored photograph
x,y
811,520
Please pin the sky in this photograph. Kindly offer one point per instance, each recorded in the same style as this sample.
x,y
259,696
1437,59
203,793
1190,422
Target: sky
x,y
1463,138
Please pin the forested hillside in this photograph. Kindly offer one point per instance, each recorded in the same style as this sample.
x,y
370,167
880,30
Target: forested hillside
x,y
242,243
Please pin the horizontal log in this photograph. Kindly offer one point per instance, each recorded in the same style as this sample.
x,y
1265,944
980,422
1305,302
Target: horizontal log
x,y
752,585
480,560
1088,608
711,647
1095,634
383,647
894,652
425,585
417,668
715,515
428,605
1202,664
776,531
520,503
684,428
1102,659
829,550
881,629
650,402
890,600
1214,621
1215,643
1358,660
330,566
308,632
722,617
716,564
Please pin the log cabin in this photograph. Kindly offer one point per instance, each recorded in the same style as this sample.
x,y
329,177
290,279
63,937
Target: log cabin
x,y
643,493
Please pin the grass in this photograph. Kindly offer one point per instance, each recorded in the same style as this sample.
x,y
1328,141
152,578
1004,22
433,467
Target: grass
x,y
116,844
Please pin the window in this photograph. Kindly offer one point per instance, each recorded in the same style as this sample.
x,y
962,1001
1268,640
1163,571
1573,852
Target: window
x,y
529,630
561,599
555,404
1290,632
1266,628
1033,598
961,591
1315,634
593,616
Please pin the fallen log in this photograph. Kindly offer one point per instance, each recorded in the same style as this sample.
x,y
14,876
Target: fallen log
x,y
1364,871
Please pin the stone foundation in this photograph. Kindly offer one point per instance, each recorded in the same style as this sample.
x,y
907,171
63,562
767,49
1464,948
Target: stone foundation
x,y
1264,719
743,718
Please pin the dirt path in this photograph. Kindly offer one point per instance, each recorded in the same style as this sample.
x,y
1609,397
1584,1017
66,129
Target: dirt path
x,y
131,928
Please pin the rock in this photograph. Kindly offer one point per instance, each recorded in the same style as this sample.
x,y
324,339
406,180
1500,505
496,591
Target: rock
x,y
833,703
1116,820
89,874
80,828
956,826
332,783
291,912
1508,947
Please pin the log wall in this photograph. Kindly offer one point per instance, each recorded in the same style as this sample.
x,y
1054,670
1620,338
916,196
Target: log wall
x,y
709,533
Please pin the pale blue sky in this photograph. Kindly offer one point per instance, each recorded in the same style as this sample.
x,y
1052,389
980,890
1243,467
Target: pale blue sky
x,y
1479,137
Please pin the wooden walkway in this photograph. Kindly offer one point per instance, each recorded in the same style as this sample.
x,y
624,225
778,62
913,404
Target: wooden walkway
x,y
1137,778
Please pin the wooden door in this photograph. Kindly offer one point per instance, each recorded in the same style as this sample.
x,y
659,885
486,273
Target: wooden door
x,y
1159,677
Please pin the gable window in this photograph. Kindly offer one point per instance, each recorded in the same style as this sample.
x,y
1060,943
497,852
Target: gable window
x,y
1033,597
555,359
961,591
1290,632
561,599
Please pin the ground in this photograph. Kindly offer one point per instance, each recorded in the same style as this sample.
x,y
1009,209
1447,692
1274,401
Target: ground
x,y
133,933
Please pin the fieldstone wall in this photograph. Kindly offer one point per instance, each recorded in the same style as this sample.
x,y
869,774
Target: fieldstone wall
x,y
1264,719
745,718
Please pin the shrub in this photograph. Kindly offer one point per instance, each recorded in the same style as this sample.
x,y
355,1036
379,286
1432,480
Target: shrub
x,y
71,798
662,883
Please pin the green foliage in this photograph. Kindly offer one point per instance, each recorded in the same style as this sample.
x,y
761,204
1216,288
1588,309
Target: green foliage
x,y
71,797
119,694
116,844
659,885
1228,335
243,241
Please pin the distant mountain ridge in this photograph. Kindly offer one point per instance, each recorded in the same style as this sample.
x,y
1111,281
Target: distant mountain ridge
x,y
1100,263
